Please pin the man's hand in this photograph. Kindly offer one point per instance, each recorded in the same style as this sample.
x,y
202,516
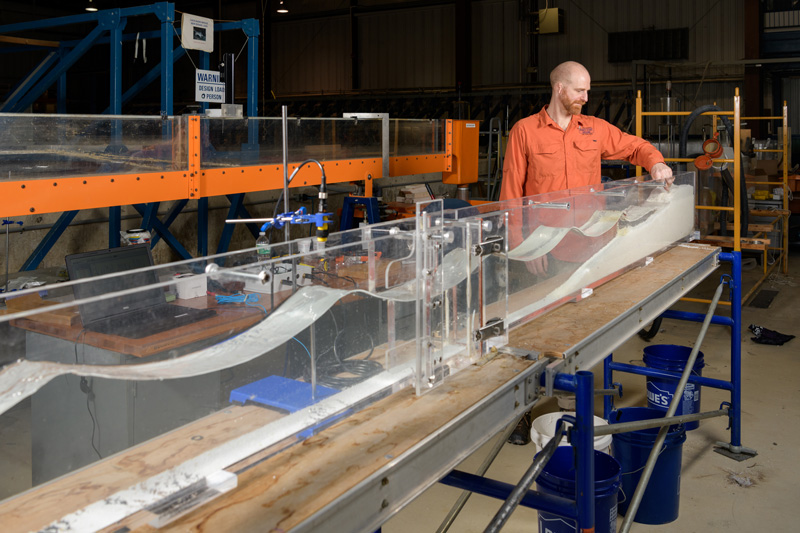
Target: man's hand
x,y
537,266
660,171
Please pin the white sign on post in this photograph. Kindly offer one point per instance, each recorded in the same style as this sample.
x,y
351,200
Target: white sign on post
x,y
197,33
208,87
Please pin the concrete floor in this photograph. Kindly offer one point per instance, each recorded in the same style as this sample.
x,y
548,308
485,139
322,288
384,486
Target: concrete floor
x,y
710,499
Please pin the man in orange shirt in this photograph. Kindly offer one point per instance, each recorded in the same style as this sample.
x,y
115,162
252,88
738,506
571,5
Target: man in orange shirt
x,y
558,149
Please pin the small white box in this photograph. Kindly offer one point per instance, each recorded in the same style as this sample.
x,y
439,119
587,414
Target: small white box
x,y
190,286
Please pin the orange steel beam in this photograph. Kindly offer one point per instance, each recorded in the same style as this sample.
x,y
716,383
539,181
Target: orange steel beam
x,y
221,181
69,194
193,135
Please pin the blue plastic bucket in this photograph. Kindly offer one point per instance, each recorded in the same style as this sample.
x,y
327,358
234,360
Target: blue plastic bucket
x,y
660,391
558,478
660,503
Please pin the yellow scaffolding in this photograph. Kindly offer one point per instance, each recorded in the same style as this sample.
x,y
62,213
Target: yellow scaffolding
x,y
758,241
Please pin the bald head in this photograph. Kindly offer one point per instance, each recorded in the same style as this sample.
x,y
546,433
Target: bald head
x,y
567,73
571,84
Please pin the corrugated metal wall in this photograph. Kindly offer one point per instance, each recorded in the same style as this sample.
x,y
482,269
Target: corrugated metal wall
x,y
408,48
311,56
499,44
415,47
715,34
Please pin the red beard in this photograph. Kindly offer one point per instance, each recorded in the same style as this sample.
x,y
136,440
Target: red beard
x,y
573,107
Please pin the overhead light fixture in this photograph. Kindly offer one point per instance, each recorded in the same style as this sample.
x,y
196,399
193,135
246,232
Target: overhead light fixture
x,y
90,7
282,8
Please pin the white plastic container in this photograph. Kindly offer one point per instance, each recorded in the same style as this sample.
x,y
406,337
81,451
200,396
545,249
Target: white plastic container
x,y
544,427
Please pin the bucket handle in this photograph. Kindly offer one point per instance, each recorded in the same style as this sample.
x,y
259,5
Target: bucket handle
x,y
663,448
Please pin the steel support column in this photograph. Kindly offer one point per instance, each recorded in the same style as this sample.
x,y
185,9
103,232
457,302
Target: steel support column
x,y
151,222
166,13
114,226
33,261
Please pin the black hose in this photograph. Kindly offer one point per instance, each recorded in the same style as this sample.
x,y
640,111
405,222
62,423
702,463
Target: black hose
x,y
647,334
690,120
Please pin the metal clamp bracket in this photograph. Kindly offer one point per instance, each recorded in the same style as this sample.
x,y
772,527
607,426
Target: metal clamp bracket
x,y
491,246
493,328
550,375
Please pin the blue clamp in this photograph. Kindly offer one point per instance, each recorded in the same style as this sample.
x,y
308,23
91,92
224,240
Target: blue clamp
x,y
300,216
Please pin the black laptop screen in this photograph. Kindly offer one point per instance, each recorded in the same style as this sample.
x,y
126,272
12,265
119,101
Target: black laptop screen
x,y
97,263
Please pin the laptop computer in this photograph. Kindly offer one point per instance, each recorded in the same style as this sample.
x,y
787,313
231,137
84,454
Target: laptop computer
x,y
133,316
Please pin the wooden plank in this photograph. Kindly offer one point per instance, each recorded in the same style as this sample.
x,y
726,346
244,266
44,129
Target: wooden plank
x,y
770,212
36,509
744,244
755,228
229,319
282,491
32,42
554,333
63,317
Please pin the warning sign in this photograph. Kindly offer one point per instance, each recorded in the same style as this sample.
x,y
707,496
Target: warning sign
x,y
208,87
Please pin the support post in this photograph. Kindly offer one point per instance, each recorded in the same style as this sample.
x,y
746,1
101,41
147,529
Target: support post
x,y
114,226
736,346
583,444
166,13
608,379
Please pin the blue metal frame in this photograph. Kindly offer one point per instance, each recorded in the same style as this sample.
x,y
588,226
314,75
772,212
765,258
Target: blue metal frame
x,y
348,209
49,240
236,210
581,509
53,70
734,283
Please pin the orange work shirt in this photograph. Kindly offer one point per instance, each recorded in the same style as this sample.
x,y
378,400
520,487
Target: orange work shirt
x,y
541,157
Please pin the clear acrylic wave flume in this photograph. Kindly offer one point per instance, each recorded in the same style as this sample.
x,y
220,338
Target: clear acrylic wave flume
x,y
393,305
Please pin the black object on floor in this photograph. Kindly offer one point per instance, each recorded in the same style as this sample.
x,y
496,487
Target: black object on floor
x,y
767,336
763,299
522,433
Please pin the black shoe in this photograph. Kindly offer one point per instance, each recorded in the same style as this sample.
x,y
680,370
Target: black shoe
x,y
522,433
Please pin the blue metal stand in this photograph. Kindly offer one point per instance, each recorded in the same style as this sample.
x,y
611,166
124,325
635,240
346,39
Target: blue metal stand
x,y
348,208
734,283
582,438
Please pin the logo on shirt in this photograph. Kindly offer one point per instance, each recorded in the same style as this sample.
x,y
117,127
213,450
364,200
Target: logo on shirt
x,y
585,130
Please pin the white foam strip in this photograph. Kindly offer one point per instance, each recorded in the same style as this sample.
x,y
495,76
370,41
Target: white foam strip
x,y
544,238
671,219
116,507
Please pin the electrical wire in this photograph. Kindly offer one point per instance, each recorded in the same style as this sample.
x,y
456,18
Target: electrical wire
x,y
86,388
250,300
90,398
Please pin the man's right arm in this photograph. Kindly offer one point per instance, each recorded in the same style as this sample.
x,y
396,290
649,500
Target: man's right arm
x,y
515,172
515,165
